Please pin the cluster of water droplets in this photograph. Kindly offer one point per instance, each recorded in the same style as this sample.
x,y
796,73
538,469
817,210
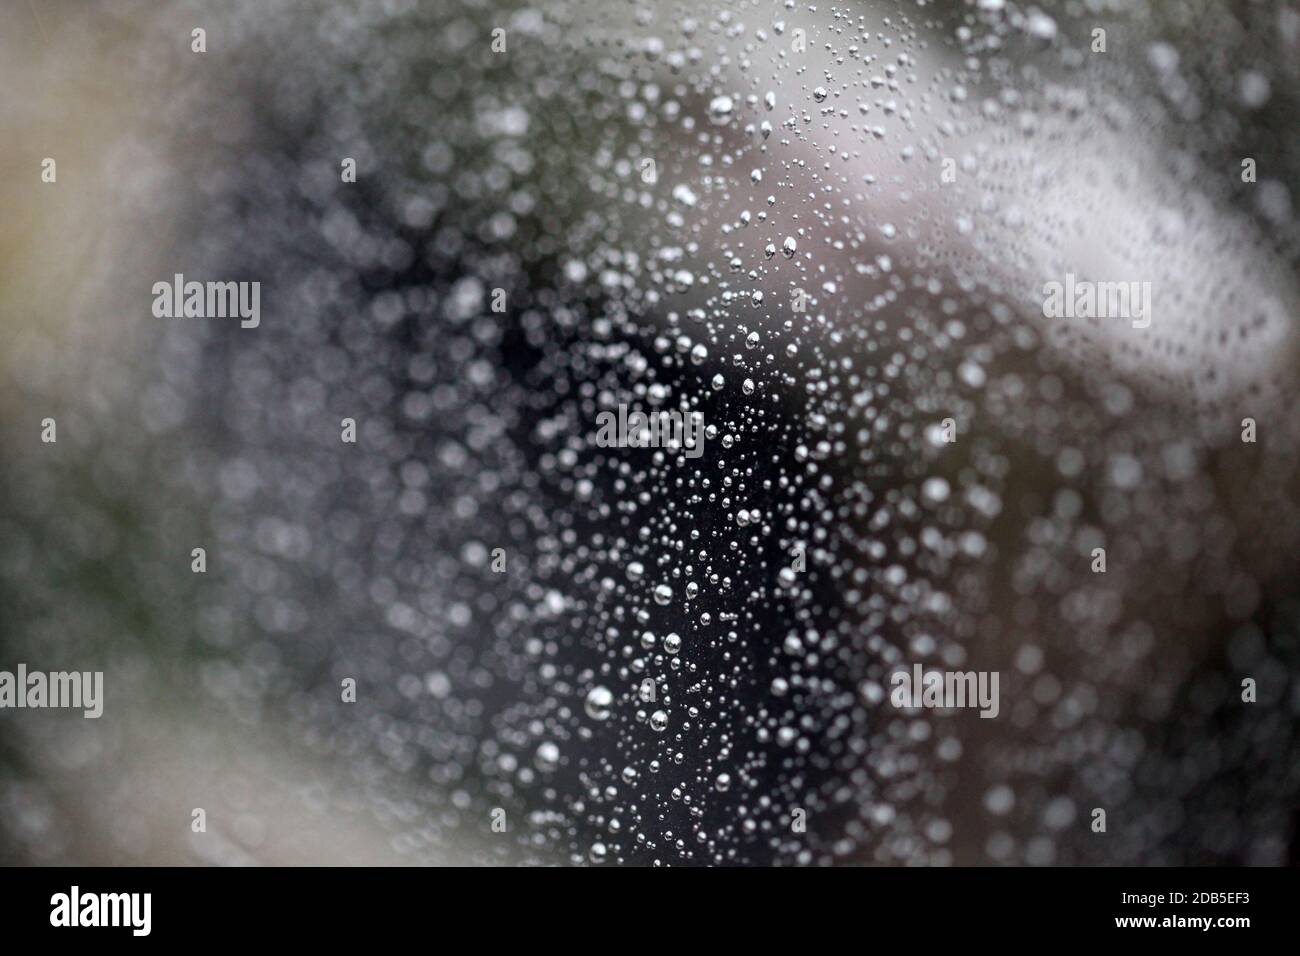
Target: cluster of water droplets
x,y
686,658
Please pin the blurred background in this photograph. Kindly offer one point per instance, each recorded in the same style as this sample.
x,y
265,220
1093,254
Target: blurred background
x,y
649,185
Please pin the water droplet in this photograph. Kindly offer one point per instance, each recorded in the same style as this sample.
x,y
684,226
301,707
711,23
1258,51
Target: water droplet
x,y
548,756
598,703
